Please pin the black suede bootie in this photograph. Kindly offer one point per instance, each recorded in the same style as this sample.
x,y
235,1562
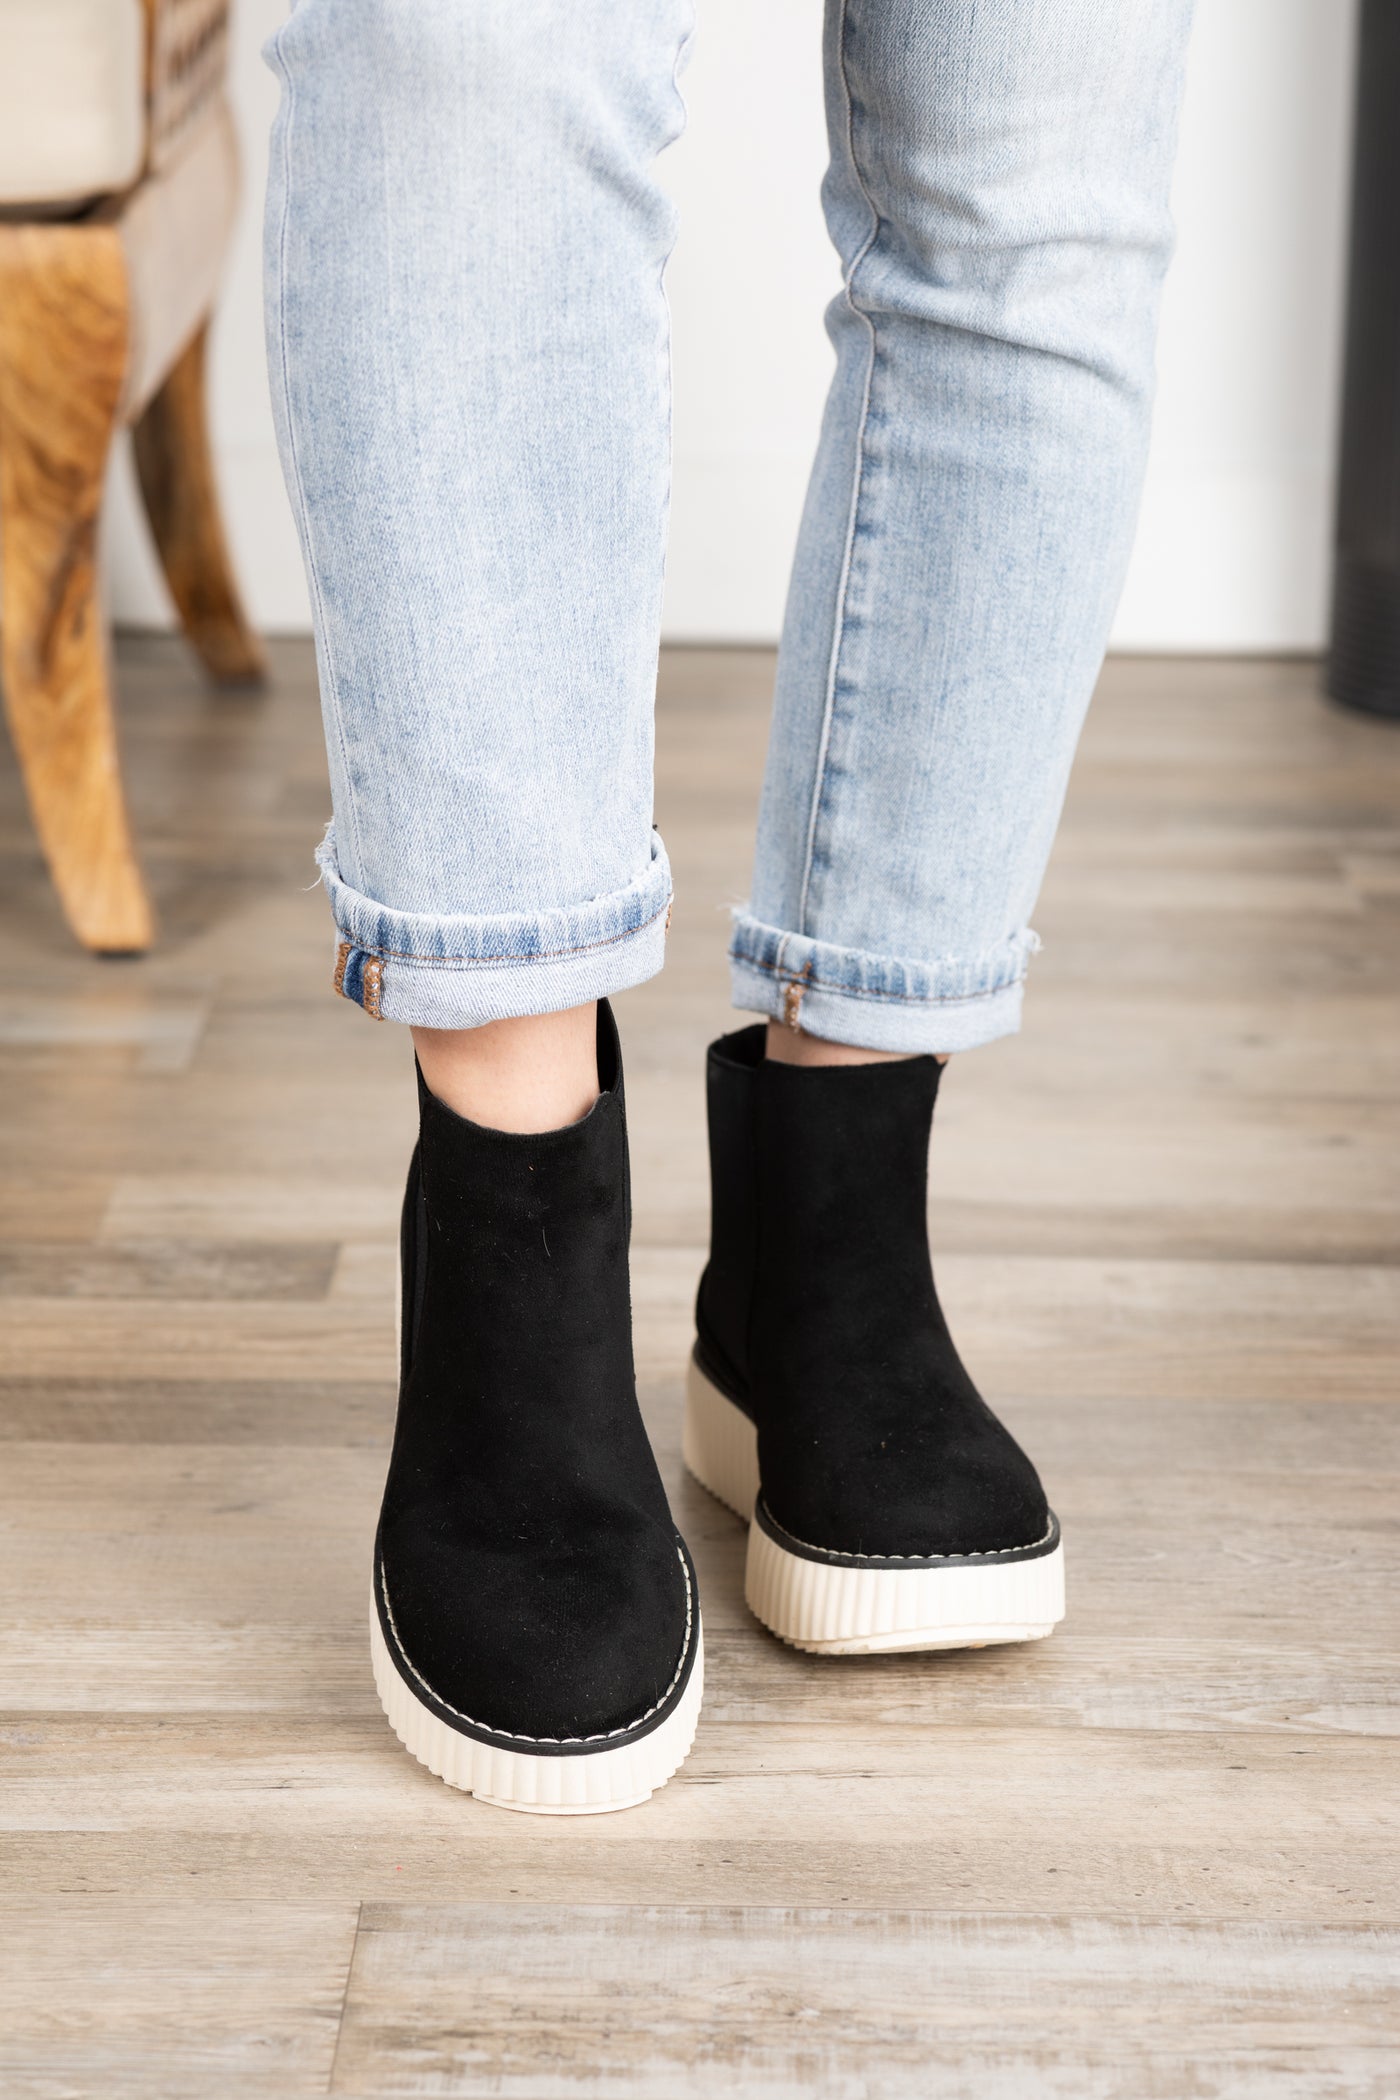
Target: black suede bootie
x,y
825,1401
536,1628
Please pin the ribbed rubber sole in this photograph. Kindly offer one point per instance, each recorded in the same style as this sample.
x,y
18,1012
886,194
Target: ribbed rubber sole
x,y
854,1606
581,1783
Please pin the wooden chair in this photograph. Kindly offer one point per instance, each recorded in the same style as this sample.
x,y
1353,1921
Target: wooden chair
x,y
118,181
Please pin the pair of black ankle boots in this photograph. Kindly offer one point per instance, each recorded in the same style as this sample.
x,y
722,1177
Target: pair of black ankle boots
x,y
536,1623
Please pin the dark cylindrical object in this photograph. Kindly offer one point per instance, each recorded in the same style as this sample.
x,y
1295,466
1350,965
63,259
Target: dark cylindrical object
x,y
1364,668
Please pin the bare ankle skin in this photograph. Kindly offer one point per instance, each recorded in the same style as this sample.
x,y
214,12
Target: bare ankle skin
x,y
793,1046
537,1073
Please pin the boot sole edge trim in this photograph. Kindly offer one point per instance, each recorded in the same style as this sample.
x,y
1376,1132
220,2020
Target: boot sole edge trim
x,y
852,1608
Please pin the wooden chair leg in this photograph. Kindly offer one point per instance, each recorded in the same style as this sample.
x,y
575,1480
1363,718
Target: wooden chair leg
x,y
63,353
177,482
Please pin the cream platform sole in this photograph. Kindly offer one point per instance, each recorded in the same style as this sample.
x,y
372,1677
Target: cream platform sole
x,y
566,1783
846,1604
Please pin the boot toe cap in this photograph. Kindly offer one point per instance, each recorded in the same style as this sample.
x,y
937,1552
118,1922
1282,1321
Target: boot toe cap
x,y
922,1493
539,1639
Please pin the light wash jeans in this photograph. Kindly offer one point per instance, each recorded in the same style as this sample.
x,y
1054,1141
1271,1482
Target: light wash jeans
x,y
468,341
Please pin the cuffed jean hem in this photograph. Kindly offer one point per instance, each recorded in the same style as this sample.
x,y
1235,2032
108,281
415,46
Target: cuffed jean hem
x,y
878,1002
461,971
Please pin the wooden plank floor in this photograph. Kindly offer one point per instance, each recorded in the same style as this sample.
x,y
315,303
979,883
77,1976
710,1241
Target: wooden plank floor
x,y
1158,1855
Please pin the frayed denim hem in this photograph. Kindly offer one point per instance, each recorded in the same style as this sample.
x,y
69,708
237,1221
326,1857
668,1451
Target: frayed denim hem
x,y
462,971
878,1002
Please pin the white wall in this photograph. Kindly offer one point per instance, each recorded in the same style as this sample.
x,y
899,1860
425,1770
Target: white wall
x,y
1232,552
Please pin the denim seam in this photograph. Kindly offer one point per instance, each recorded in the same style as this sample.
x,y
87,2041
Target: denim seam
x,y
812,982
499,962
857,481
303,509
681,52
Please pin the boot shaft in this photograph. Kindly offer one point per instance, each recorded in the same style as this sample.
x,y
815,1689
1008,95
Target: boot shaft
x,y
516,1311
819,1190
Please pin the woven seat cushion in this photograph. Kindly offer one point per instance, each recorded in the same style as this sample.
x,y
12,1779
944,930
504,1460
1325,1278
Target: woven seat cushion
x,y
72,99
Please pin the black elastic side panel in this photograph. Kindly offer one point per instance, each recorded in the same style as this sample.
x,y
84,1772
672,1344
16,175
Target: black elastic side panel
x,y
726,1289
1364,666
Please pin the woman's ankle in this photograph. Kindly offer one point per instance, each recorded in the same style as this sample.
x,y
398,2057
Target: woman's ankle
x,y
793,1046
539,1072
